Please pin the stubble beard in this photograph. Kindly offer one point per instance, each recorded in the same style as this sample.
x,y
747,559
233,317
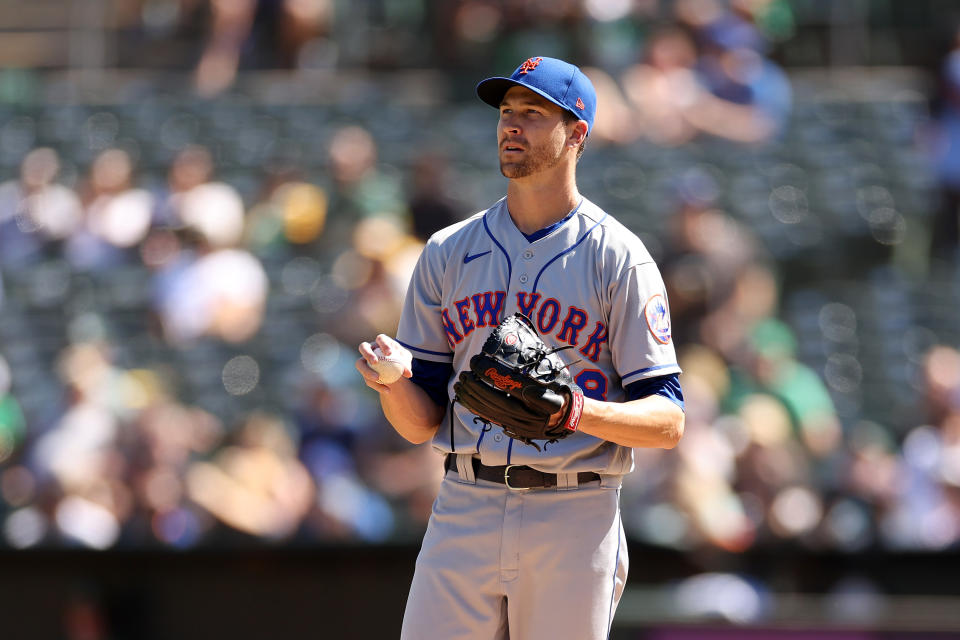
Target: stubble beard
x,y
533,161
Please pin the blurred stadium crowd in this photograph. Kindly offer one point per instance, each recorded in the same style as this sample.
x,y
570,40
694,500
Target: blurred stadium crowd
x,y
185,279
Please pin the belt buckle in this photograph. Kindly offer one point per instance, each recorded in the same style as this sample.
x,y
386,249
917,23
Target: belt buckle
x,y
506,478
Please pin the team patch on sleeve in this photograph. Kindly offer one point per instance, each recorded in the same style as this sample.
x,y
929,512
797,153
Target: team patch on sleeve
x,y
658,318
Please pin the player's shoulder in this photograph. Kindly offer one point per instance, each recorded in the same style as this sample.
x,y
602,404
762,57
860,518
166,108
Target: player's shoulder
x,y
456,230
455,239
609,236
466,230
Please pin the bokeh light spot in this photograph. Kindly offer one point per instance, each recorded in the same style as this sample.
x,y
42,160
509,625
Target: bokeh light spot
x,y
241,375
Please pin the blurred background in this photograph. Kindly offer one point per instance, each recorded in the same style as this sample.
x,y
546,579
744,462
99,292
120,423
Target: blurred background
x,y
206,204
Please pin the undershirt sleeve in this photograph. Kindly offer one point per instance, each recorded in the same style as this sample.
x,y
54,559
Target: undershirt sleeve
x,y
667,386
433,377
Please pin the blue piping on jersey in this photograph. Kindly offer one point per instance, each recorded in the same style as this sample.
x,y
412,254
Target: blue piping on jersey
x,y
568,249
503,251
483,432
509,450
616,564
433,353
453,448
638,371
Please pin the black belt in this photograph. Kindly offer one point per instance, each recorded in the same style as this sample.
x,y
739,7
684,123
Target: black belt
x,y
517,476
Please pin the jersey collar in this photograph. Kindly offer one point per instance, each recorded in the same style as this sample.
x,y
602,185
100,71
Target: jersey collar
x,y
543,233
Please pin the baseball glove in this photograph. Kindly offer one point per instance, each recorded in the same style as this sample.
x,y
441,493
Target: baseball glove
x,y
517,382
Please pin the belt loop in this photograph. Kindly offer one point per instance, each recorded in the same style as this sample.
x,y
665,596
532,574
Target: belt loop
x,y
465,468
567,481
611,481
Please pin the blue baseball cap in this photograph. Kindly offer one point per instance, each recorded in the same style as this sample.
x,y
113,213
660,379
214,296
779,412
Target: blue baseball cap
x,y
559,82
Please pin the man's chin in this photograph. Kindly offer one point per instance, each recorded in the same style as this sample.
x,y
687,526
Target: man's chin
x,y
514,170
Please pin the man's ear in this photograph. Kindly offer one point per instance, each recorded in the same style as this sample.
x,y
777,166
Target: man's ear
x,y
578,133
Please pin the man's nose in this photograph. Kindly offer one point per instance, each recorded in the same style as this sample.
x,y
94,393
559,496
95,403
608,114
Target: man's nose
x,y
509,124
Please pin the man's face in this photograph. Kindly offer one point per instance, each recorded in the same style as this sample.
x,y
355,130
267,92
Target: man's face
x,y
531,133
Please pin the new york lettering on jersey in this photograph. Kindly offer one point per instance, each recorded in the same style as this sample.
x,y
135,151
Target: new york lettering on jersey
x,y
478,309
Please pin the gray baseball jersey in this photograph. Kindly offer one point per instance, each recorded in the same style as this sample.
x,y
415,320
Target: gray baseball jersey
x,y
590,284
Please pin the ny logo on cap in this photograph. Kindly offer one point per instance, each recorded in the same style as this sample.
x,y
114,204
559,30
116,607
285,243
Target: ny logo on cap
x,y
529,65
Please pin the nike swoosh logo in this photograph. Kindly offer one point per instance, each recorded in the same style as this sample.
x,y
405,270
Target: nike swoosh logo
x,y
467,258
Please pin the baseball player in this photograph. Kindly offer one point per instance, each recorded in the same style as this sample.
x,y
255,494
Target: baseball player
x,y
525,539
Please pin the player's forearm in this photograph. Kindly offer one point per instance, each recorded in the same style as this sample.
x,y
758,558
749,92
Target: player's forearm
x,y
413,414
651,422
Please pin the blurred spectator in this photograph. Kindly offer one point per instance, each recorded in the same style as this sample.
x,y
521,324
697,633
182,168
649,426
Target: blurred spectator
x,y
617,122
774,19
429,201
215,211
166,439
874,475
362,187
945,230
36,212
230,25
80,453
708,76
930,496
238,26
342,443
773,368
705,490
191,167
662,87
210,290
924,511
941,383
374,273
117,215
409,477
771,465
731,598
293,214
205,283
255,484
707,251
12,423
750,96
465,29
753,298
196,200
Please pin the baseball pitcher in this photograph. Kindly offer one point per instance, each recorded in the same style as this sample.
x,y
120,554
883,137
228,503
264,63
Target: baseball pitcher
x,y
537,354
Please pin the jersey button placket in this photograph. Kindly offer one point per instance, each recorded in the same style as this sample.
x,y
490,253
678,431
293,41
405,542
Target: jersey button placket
x,y
523,278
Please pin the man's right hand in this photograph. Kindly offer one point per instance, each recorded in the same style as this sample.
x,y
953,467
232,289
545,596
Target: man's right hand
x,y
389,348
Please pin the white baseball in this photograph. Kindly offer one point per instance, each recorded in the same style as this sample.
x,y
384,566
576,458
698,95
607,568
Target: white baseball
x,y
389,368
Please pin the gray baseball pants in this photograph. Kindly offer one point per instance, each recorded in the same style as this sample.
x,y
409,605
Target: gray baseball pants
x,y
538,564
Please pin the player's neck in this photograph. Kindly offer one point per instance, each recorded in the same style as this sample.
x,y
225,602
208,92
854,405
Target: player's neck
x,y
534,204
